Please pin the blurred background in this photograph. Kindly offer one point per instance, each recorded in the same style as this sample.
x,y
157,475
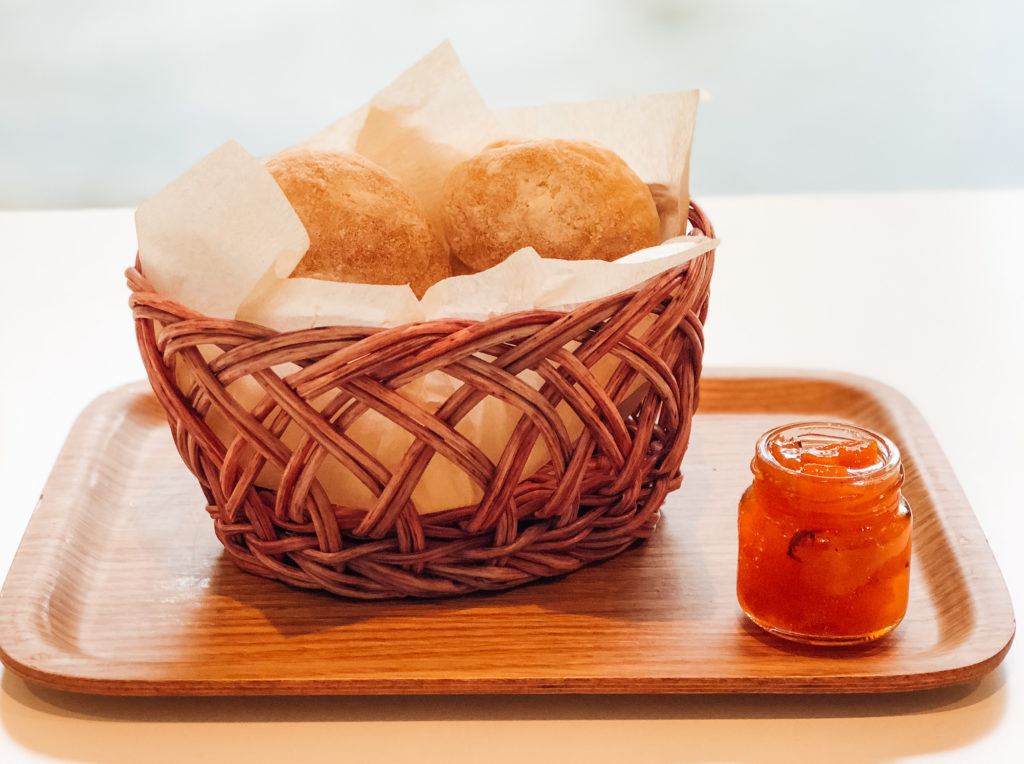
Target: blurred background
x,y
103,102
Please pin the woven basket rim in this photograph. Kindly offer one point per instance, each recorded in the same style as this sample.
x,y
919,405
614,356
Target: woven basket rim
x,y
699,225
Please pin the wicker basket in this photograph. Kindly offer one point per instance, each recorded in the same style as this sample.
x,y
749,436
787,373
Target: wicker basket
x,y
594,498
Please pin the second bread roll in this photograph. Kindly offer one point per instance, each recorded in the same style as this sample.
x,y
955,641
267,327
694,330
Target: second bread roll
x,y
363,226
567,199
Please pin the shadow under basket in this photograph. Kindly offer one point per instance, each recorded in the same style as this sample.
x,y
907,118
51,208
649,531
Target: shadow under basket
x,y
597,494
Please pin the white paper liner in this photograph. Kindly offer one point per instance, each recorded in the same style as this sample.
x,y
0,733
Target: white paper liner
x,y
222,239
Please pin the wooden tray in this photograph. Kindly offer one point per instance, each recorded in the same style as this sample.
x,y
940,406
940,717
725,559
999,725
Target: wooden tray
x,y
120,587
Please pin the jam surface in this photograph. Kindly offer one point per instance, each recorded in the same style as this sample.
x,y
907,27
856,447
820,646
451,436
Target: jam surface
x,y
824,536
816,456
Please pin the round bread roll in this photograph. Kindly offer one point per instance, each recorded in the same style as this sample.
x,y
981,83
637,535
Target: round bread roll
x,y
363,226
567,199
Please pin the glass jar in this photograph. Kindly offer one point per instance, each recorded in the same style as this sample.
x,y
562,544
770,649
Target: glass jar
x,y
824,535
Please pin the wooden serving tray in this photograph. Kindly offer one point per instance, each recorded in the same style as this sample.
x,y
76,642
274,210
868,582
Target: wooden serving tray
x,y
120,587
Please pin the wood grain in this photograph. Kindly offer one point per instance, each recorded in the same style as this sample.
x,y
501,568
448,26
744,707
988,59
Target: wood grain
x,y
120,587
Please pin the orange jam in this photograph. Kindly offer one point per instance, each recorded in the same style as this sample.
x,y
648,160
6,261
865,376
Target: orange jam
x,y
824,535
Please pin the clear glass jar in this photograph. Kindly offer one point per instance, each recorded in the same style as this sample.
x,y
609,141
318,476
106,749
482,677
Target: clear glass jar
x,y
824,535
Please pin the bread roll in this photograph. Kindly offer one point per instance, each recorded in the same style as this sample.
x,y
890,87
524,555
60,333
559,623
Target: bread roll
x,y
363,226
567,199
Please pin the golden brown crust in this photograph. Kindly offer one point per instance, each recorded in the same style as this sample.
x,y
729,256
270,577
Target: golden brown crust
x,y
568,199
363,226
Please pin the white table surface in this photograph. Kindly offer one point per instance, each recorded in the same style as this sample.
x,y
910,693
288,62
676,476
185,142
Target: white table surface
x,y
940,277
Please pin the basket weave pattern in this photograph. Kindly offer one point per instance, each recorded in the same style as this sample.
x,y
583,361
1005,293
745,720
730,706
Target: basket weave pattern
x,y
595,496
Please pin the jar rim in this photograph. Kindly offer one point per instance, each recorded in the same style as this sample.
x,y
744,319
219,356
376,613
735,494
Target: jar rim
x,y
876,473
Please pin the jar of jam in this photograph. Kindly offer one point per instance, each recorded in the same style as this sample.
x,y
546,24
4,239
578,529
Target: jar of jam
x,y
824,535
